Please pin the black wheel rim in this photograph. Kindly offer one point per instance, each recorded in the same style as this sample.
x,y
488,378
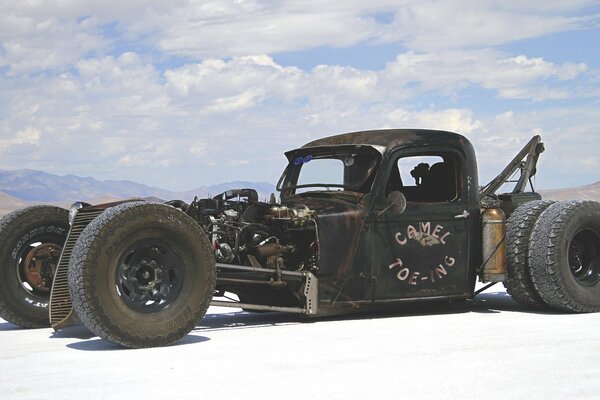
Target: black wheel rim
x,y
149,276
584,257
36,266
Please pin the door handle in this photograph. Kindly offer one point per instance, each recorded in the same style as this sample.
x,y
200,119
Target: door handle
x,y
464,215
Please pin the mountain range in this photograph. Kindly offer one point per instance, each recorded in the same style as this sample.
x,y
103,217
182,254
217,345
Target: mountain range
x,y
587,192
20,188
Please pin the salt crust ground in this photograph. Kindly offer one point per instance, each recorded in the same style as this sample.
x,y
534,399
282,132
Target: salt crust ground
x,y
487,348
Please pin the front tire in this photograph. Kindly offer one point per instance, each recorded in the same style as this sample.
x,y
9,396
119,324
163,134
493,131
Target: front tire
x,y
31,241
142,275
564,256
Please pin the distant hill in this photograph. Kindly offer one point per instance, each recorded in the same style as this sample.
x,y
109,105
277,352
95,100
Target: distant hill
x,y
32,185
24,187
9,203
588,192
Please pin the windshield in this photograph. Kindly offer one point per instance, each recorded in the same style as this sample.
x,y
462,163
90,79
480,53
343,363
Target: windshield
x,y
345,168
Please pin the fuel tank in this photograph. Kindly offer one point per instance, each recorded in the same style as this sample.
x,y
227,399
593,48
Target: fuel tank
x,y
493,222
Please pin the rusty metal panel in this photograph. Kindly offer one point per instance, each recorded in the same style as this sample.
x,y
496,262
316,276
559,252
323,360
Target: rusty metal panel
x,y
391,138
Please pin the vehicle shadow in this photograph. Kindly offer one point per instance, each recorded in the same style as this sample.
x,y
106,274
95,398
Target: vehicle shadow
x,y
97,344
487,302
244,320
91,342
7,326
496,302
75,332
492,302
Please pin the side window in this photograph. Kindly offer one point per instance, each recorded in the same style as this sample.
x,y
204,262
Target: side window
x,y
426,178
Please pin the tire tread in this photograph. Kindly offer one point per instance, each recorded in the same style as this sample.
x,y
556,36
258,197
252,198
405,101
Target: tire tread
x,y
546,256
82,279
518,233
9,310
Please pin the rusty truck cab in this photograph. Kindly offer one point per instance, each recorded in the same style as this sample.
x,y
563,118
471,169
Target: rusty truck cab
x,y
372,254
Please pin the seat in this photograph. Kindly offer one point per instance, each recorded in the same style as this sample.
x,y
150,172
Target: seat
x,y
440,184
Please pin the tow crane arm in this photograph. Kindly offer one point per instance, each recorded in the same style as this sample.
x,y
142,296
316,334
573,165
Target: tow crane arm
x,y
526,161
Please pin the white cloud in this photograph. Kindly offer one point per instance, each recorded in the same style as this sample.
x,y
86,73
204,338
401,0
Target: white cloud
x,y
29,135
67,72
236,28
569,135
239,162
37,35
590,162
238,102
122,114
41,44
353,83
241,74
434,25
455,120
513,77
198,148
156,153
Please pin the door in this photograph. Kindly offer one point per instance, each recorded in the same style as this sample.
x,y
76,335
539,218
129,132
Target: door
x,y
424,251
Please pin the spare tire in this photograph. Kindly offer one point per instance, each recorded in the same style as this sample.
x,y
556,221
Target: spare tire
x,y
564,256
31,241
518,233
142,275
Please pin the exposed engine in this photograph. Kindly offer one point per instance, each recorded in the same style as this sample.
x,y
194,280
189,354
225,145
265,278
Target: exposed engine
x,y
245,231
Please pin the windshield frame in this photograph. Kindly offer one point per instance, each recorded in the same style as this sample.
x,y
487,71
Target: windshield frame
x,y
292,171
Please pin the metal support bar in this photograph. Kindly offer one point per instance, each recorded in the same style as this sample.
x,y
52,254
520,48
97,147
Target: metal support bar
x,y
528,170
486,287
532,150
259,307
232,267
310,291
249,282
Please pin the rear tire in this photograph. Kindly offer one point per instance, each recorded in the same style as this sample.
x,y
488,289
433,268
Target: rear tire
x,y
518,232
142,275
564,256
31,240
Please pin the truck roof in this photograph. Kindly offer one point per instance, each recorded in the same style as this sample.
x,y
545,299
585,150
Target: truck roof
x,y
392,138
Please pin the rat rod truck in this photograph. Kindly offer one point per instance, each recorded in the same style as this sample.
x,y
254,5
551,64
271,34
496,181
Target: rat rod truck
x,y
367,220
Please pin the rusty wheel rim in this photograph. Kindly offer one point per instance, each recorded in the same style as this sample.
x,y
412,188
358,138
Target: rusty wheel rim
x,y
38,267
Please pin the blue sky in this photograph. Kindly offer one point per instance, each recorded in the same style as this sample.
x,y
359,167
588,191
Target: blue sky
x,y
186,93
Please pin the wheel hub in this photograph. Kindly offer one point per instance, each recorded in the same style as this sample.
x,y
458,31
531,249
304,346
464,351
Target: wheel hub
x,y
145,277
584,257
149,276
40,265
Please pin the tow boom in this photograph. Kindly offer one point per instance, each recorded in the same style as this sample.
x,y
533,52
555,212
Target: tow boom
x,y
526,161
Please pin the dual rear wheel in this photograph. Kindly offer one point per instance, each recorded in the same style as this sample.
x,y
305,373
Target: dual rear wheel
x,y
553,255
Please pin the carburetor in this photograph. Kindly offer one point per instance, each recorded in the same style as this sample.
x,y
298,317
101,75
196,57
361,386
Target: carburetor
x,y
296,217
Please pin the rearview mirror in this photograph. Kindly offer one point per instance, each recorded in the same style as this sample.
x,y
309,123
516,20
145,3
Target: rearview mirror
x,y
396,202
